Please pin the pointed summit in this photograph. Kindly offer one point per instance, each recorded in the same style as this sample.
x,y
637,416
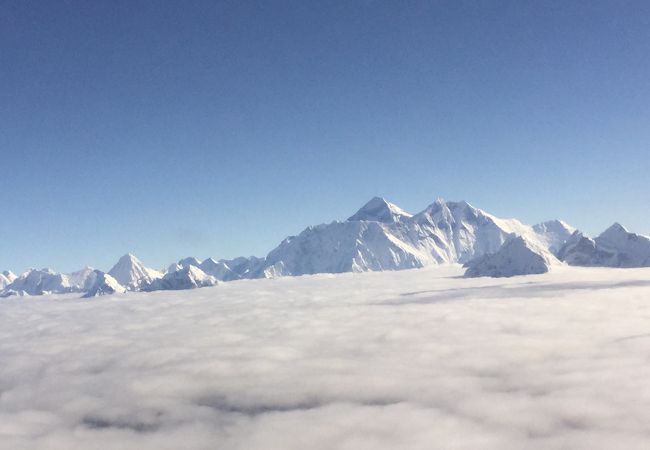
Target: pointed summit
x,y
380,210
629,249
516,257
130,272
615,229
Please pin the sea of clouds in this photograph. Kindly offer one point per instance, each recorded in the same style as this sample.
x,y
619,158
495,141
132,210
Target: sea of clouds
x,y
417,359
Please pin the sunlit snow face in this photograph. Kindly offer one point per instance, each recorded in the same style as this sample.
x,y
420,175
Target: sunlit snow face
x,y
416,359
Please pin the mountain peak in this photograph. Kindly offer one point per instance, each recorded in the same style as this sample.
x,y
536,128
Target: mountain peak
x,y
616,227
189,261
128,258
379,209
614,232
130,272
517,256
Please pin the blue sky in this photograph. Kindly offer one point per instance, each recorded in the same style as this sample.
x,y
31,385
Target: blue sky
x,y
213,128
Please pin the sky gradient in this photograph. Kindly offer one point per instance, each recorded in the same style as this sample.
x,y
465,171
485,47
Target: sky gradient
x,y
213,128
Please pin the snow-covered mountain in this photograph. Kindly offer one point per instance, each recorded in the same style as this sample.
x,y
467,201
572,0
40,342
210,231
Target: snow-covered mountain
x,y
581,250
101,283
629,249
518,256
82,279
218,269
354,246
614,247
380,210
131,273
39,282
245,267
381,236
554,234
188,277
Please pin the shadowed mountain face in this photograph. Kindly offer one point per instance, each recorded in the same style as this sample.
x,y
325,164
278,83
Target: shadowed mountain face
x,y
615,247
515,257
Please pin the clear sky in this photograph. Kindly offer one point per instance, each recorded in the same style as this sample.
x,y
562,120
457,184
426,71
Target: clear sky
x,y
217,128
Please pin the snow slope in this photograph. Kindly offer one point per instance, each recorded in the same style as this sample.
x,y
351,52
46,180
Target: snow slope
x,y
341,247
380,210
381,236
516,257
131,273
219,269
615,247
82,279
554,234
415,359
39,282
101,283
185,277
581,250
629,249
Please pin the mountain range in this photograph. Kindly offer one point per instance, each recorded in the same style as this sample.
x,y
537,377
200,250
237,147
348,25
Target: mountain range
x,y
379,236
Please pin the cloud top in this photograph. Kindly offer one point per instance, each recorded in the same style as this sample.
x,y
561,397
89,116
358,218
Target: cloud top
x,y
416,359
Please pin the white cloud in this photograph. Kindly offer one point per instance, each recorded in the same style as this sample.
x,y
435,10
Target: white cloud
x,y
412,360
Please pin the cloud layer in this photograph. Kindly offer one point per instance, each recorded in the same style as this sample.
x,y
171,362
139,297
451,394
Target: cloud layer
x,y
412,360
